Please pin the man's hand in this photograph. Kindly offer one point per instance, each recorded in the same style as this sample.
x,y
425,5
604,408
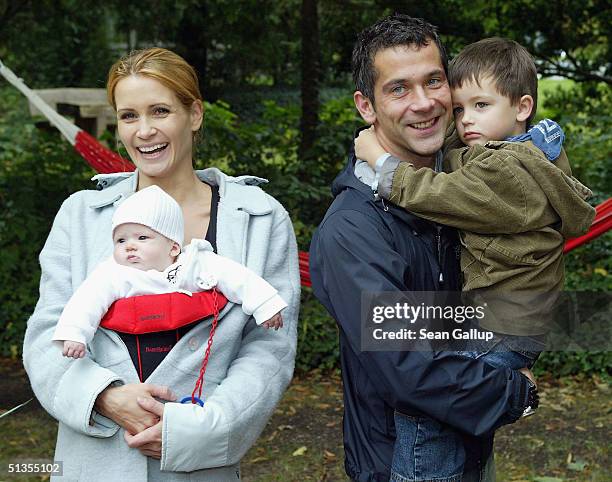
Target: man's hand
x,y
120,404
149,441
367,147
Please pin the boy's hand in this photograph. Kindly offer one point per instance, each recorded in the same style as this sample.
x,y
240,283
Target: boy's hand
x,y
367,147
275,322
73,349
527,372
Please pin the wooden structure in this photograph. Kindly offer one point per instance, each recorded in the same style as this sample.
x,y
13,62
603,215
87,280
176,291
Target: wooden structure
x,y
88,107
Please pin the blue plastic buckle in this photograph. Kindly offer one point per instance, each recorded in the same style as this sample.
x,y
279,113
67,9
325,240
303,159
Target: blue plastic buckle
x,y
189,400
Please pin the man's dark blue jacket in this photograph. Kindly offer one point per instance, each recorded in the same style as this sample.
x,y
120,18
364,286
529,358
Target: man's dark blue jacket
x,y
363,244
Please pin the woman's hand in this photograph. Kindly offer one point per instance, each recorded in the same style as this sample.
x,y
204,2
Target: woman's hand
x,y
120,404
149,441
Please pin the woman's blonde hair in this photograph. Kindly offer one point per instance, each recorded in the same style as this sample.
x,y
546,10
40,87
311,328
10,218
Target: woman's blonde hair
x,y
159,64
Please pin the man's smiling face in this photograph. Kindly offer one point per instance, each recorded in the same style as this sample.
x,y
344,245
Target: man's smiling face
x,y
412,102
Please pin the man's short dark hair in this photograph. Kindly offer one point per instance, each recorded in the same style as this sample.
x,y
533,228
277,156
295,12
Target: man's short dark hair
x,y
508,63
396,30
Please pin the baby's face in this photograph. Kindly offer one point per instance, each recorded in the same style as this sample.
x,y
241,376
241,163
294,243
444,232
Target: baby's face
x,y
142,248
482,114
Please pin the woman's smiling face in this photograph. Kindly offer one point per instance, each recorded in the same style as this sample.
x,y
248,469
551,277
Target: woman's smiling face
x,y
155,128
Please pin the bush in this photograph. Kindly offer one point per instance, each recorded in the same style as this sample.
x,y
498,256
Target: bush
x,y
317,336
267,147
38,171
303,186
583,110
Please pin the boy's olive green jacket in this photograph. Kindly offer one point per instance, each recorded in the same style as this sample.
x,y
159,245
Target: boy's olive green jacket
x,y
514,209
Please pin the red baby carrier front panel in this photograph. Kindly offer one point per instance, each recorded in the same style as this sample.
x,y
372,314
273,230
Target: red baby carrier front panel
x,y
154,313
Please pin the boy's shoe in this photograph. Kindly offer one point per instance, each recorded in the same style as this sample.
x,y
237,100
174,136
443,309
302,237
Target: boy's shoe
x,y
533,399
528,411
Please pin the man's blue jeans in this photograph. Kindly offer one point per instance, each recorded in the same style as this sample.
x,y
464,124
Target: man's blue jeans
x,y
427,450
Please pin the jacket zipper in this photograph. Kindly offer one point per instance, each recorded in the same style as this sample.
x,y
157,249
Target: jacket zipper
x,y
439,245
385,206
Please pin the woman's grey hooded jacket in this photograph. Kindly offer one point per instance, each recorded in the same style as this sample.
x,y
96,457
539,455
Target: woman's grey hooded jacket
x,y
249,367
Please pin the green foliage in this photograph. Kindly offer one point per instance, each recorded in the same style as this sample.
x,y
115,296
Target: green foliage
x,y
38,171
564,363
584,112
588,268
229,42
570,40
547,88
247,52
267,147
57,43
317,336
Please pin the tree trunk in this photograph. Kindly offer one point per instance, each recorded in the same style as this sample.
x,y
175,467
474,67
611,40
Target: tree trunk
x,y
193,40
9,11
310,79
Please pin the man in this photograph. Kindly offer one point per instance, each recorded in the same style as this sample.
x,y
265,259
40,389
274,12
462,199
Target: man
x,y
365,244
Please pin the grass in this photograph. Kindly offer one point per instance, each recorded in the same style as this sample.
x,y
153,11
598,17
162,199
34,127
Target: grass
x,y
567,440
27,437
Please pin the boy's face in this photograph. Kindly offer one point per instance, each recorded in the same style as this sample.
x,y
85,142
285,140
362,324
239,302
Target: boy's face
x,y
482,114
142,248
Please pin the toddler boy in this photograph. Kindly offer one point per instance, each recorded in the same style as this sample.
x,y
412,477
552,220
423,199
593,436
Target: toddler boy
x,y
147,230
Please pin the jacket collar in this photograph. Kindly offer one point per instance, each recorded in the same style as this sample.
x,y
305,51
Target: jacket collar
x,y
347,177
116,186
113,187
253,201
347,180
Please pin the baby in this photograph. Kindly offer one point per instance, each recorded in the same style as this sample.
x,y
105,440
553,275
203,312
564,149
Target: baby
x,y
147,230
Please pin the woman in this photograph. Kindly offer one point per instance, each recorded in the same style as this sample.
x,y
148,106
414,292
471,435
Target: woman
x,y
110,425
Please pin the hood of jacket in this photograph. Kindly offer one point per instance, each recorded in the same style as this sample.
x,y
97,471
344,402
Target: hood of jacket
x,y
113,189
347,179
566,194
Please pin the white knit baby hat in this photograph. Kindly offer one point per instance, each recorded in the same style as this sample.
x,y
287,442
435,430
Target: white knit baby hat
x,y
154,208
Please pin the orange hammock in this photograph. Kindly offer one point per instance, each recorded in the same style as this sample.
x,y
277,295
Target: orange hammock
x,y
105,161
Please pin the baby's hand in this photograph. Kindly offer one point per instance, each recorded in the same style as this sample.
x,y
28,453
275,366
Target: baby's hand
x,y
73,349
275,322
367,147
